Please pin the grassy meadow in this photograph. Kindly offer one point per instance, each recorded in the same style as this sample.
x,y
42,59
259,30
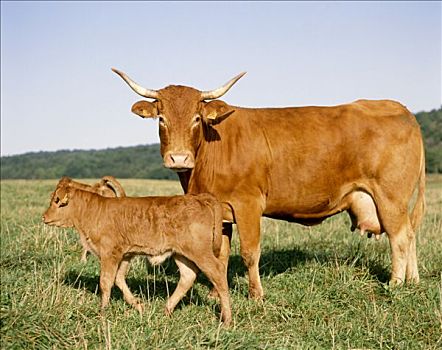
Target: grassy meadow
x,y
325,287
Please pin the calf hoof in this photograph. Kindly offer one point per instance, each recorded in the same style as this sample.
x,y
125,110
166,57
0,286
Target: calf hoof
x,y
227,322
168,312
256,294
213,294
139,307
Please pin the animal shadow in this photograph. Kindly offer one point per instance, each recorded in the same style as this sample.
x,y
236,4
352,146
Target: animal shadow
x,y
279,261
160,286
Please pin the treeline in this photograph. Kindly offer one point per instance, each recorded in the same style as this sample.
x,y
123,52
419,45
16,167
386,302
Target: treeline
x,y
145,161
431,125
142,162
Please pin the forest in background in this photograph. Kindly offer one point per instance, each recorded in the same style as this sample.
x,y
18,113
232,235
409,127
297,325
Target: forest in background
x,y
144,161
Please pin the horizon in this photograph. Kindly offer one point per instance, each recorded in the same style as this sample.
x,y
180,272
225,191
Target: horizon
x,y
116,147
58,91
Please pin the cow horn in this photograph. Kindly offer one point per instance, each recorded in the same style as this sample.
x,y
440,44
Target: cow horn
x,y
210,95
137,88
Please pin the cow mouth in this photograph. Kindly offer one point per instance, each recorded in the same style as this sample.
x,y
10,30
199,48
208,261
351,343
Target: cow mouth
x,y
179,170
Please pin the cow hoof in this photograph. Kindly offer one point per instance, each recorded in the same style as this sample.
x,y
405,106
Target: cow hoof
x,y
395,282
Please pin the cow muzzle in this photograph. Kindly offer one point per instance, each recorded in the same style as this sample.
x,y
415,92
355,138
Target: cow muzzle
x,y
179,161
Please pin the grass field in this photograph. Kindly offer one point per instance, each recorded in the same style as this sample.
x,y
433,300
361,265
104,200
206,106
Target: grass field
x,y
325,287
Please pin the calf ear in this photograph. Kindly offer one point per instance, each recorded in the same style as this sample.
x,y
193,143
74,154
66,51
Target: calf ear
x,y
145,109
215,112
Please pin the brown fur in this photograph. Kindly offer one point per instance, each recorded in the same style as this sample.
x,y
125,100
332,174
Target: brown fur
x,y
116,229
108,186
301,164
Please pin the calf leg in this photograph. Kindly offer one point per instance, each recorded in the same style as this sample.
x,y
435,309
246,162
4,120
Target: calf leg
x,y
214,269
84,255
109,267
188,273
120,281
224,252
85,248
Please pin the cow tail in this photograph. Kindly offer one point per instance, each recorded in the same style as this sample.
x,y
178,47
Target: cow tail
x,y
217,228
419,207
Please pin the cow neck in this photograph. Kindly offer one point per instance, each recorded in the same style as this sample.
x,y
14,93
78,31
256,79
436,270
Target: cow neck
x,y
222,152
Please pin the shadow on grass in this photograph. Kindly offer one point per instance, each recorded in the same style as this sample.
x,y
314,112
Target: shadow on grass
x,y
158,287
276,262
271,263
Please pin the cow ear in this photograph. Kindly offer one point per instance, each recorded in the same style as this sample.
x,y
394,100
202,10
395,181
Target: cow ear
x,y
214,112
145,109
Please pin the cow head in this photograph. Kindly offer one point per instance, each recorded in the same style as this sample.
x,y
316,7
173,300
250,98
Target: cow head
x,y
58,213
183,113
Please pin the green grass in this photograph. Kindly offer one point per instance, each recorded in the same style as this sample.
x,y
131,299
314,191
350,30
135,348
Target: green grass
x,y
325,287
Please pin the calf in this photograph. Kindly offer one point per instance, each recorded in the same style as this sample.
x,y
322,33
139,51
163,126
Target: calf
x,y
186,227
108,186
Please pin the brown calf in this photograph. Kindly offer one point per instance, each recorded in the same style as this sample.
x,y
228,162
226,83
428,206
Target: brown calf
x,y
108,186
186,227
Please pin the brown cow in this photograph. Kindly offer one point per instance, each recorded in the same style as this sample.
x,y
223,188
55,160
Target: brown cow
x,y
300,164
108,186
186,227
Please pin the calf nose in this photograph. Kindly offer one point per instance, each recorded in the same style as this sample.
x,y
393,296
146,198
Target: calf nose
x,y
179,161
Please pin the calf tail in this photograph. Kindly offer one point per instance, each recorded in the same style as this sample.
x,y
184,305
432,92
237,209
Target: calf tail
x,y
419,207
114,185
217,228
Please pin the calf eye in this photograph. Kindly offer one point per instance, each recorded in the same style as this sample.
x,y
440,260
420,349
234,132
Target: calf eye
x,y
56,200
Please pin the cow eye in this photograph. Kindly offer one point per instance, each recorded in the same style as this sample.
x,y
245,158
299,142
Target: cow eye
x,y
56,200
161,120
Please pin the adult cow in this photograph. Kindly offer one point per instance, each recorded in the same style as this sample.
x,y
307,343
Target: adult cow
x,y
300,164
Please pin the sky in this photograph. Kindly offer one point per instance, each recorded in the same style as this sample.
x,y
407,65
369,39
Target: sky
x,y
58,90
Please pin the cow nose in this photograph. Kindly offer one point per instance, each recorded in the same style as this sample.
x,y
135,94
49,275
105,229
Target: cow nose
x,y
179,161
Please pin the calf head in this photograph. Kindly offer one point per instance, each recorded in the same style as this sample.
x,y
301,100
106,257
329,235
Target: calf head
x,y
184,114
59,211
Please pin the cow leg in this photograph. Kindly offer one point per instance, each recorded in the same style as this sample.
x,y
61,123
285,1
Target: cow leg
x,y
120,281
396,222
109,267
214,269
224,252
412,273
188,273
249,228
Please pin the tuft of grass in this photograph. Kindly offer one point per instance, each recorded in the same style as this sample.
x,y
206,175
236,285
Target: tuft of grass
x,y
325,287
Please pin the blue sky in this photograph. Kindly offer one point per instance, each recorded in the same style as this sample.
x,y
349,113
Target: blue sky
x,y
58,92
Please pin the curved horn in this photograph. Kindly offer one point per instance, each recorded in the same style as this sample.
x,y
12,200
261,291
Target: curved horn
x,y
210,95
135,87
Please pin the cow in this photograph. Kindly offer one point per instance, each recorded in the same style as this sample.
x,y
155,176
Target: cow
x,y
187,227
299,164
108,186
